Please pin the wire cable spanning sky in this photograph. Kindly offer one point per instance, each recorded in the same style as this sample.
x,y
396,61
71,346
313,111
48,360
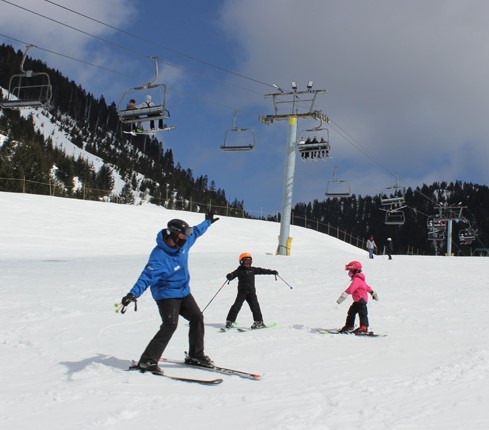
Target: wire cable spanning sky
x,y
406,82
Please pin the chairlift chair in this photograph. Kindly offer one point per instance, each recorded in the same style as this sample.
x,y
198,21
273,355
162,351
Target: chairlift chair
x,y
28,89
313,143
337,188
394,217
140,113
466,236
238,139
393,196
435,223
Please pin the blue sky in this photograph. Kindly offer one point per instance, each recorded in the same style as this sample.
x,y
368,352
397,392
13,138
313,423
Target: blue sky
x,y
406,82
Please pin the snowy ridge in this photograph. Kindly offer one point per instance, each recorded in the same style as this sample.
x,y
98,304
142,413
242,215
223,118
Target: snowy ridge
x,y
49,128
64,263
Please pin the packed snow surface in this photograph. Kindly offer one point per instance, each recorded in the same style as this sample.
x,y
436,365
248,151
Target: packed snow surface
x,y
64,263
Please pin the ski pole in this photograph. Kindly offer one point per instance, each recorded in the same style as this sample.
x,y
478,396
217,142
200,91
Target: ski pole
x,y
286,283
222,286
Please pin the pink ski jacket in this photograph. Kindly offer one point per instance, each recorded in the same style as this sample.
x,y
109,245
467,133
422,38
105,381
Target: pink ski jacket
x,y
358,288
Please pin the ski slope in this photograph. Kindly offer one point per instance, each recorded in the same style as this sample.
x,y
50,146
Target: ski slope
x,y
64,263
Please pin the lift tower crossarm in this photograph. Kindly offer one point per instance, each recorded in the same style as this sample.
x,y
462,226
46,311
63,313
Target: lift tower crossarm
x,y
269,119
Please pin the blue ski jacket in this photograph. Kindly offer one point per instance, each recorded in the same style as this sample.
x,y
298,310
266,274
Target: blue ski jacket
x,y
167,269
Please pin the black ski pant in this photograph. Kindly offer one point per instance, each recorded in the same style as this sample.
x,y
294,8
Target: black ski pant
x,y
251,298
359,308
170,310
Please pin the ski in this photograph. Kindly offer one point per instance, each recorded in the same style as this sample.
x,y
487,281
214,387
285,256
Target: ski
x,y
217,369
337,331
134,367
246,329
370,334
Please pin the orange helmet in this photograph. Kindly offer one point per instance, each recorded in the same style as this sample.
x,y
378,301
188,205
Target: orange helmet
x,y
243,256
354,265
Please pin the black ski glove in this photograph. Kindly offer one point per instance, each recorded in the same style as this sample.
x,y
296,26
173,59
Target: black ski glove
x,y
127,299
210,216
274,272
229,277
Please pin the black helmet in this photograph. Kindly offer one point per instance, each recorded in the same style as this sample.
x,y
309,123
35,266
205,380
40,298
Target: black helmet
x,y
178,226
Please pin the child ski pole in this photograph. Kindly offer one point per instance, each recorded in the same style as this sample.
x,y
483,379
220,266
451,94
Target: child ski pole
x,y
222,286
284,281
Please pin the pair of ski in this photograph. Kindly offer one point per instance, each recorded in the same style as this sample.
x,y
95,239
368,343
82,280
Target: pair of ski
x,y
215,369
245,329
337,331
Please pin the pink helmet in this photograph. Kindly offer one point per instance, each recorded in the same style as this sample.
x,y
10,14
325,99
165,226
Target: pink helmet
x,y
354,265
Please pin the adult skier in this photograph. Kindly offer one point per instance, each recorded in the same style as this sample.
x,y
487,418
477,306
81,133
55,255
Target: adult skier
x,y
167,275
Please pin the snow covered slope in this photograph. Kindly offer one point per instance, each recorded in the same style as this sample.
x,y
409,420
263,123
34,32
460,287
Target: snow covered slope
x,y
64,263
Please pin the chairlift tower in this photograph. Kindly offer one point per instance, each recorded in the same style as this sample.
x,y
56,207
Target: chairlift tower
x,y
450,214
301,106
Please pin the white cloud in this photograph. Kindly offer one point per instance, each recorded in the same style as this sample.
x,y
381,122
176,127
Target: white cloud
x,y
406,79
27,24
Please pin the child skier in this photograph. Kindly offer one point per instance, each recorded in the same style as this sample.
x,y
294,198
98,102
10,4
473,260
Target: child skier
x,y
246,290
358,289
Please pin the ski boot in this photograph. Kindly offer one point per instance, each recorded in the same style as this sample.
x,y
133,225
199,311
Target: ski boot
x,y
150,366
201,360
346,329
258,324
363,329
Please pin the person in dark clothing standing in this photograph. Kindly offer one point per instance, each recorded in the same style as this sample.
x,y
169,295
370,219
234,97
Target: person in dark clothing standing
x,y
246,290
167,275
389,248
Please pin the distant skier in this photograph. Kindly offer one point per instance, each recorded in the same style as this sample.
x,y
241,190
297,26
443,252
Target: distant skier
x,y
246,290
389,248
371,247
167,274
359,291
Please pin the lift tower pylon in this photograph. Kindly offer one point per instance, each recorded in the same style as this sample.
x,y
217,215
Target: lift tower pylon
x,y
301,106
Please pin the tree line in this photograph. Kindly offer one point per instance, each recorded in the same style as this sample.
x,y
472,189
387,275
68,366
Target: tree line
x,y
363,216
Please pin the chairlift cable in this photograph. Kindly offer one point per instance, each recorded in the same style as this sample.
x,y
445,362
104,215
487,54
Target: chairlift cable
x,y
64,55
78,30
231,108
135,52
347,136
190,57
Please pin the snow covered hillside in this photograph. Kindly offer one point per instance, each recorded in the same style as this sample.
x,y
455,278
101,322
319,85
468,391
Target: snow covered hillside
x,y
64,263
